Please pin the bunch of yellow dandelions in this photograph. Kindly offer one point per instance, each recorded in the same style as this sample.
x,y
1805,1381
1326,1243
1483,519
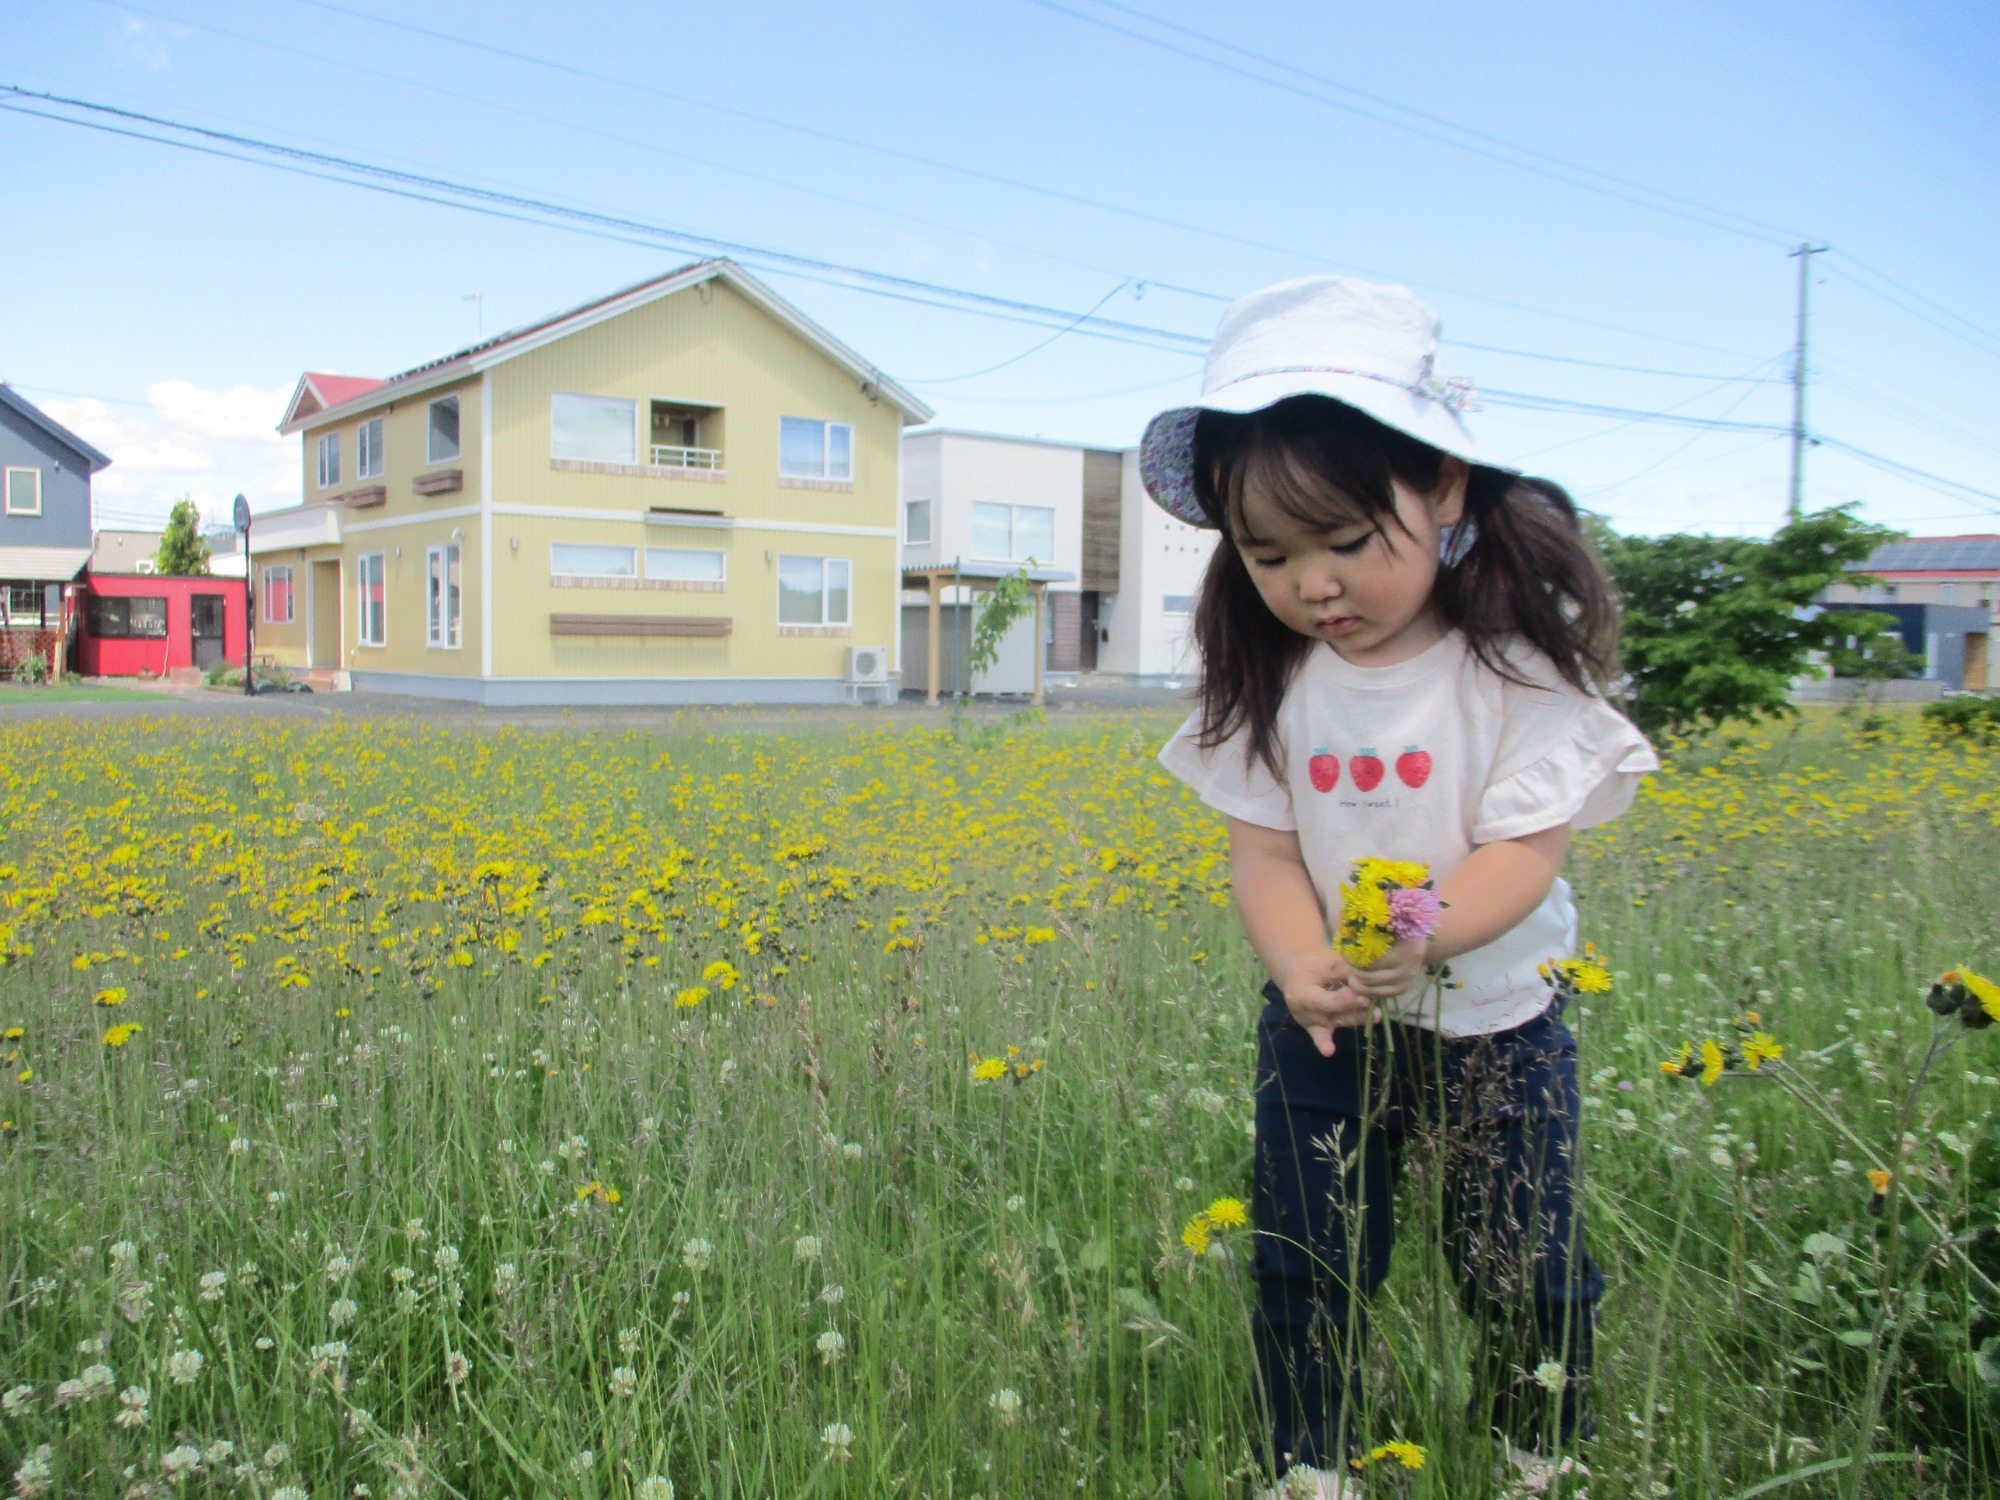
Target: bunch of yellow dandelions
x,y
1386,901
1221,1216
993,1069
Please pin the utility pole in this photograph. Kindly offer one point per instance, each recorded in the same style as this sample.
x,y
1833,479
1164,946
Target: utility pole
x,y
1795,506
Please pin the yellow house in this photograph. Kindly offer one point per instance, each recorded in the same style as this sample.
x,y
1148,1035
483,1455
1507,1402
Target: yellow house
x,y
685,492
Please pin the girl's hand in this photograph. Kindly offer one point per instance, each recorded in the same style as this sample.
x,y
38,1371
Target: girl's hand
x,y
1394,972
1317,986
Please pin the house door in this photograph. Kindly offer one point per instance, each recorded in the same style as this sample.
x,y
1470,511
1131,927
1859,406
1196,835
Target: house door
x,y
205,620
1975,663
323,650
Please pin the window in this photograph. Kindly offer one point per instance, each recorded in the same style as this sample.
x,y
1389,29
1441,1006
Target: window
x,y
684,565
443,441
1177,604
441,595
368,449
815,591
579,560
917,522
1014,533
123,619
278,595
808,449
593,429
374,607
24,492
329,461
24,604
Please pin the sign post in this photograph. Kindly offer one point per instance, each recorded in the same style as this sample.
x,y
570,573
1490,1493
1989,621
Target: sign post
x,y
242,518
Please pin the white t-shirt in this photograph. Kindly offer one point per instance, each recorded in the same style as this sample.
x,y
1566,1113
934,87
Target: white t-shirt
x,y
1426,760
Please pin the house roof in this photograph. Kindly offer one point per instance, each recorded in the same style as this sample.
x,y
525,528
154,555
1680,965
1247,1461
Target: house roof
x,y
16,402
42,564
310,408
316,392
1936,554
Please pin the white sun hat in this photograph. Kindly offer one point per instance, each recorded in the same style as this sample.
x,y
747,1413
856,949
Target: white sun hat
x,y
1371,346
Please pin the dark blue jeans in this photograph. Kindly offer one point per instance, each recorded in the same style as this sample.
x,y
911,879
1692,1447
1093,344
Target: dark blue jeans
x,y
1490,1122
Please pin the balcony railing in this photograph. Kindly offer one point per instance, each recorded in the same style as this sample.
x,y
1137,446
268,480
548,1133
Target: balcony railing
x,y
666,457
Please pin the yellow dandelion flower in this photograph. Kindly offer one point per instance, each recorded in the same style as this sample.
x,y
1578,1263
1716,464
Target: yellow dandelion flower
x,y
1879,1180
1228,1213
15,1033
1982,989
1588,978
120,1034
1409,1455
691,996
112,996
1712,1063
1198,1234
1761,1048
1039,935
988,1069
721,973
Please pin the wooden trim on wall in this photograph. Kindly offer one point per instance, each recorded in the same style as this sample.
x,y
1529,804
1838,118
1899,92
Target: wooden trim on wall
x,y
363,498
677,625
443,482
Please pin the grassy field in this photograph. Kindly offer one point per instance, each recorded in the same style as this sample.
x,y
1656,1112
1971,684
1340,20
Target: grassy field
x,y
402,1111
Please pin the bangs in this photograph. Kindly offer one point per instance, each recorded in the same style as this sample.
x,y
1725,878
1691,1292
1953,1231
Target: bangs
x,y
1319,461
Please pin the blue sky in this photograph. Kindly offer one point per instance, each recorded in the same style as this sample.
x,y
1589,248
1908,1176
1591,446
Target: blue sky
x,y
164,302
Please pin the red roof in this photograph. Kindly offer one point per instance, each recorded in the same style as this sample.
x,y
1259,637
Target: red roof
x,y
334,389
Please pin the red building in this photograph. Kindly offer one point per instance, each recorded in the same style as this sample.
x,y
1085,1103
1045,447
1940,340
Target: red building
x,y
148,623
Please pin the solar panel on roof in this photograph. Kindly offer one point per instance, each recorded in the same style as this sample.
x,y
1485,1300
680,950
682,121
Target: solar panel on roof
x,y
1972,554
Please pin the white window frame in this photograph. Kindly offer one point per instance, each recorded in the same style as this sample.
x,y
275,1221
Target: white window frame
x,y
637,437
910,538
1014,552
270,574
329,460
367,451
722,577
362,570
825,592
556,572
431,454
18,510
444,613
825,451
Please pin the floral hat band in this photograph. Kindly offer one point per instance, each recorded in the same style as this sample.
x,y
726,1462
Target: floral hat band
x,y
1370,346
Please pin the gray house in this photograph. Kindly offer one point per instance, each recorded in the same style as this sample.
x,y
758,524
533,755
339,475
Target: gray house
x,y
45,521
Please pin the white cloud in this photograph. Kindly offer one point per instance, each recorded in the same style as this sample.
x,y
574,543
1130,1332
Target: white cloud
x,y
186,440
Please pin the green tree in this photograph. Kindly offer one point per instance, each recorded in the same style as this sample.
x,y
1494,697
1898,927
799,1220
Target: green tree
x,y
182,551
1717,628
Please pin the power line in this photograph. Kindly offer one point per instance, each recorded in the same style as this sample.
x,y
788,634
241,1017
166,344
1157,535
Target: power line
x,y
1909,471
1598,364
1528,401
1695,213
1031,349
1977,338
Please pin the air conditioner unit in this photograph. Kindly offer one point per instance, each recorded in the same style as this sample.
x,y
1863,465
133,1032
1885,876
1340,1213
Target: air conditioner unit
x,y
867,663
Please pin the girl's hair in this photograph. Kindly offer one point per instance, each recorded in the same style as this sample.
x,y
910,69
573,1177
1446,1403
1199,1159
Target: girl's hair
x,y
1528,575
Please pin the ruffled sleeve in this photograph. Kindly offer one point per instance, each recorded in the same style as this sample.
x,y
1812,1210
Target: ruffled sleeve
x,y
1228,779
1572,759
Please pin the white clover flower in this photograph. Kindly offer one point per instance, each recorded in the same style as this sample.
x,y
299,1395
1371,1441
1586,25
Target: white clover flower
x,y
624,1381
507,1146
213,1285
628,1342
697,1254
583,1463
853,1152
18,1401
339,1268
659,1487
97,1380
1006,1404
329,1101
181,1462
446,1259
506,1280
341,1312
1720,1156
838,1437
1015,1203
239,1145
275,1197
832,1293
681,1301
68,1391
1183,1184
266,1344
132,1402
327,1356
414,1231
93,1345
277,1455
573,1148
123,1254
1550,1375
290,1492
136,1300
831,1347
36,1474
546,1167
457,1368
805,1249
184,1366
220,1452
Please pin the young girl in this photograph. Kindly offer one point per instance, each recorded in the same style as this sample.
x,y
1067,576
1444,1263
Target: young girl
x,y
1402,650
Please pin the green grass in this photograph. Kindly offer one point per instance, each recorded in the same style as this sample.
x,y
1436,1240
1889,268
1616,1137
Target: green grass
x,y
15,694
427,980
